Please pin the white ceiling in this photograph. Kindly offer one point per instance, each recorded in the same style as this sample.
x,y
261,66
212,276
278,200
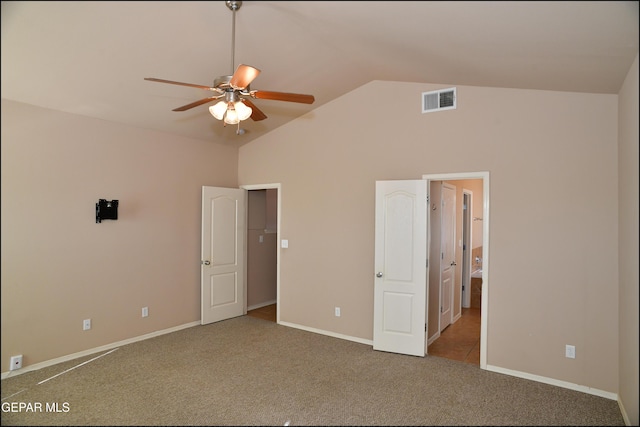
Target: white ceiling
x,y
91,57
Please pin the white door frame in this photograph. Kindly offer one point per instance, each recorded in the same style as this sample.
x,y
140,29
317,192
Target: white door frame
x,y
485,248
278,187
467,227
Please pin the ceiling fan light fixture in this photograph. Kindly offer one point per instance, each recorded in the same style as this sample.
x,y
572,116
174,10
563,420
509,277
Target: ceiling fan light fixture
x,y
218,110
231,116
231,112
244,111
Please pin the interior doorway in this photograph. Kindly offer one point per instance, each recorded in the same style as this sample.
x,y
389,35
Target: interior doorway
x,y
465,319
262,252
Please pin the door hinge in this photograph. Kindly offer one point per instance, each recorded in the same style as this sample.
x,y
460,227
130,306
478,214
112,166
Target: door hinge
x,y
425,327
427,263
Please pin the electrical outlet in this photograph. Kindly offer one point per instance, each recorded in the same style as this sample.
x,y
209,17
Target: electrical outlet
x,y
145,311
16,362
337,311
570,351
86,324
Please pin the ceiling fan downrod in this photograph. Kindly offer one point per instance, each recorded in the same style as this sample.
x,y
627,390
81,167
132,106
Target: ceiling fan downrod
x,y
233,5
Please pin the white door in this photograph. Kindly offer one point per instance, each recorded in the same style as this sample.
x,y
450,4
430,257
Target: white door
x,y
400,267
448,254
222,257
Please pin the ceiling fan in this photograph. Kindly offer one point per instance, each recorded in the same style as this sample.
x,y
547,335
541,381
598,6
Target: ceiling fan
x,y
233,92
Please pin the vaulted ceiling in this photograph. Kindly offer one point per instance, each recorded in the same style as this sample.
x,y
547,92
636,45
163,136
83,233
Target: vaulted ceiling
x,y
91,57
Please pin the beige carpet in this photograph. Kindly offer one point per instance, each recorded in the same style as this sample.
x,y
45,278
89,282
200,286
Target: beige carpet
x,y
247,371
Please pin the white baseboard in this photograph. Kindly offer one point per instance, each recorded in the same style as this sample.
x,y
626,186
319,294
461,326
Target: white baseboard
x,y
328,333
433,338
260,305
538,378
66,358
554,382
625,416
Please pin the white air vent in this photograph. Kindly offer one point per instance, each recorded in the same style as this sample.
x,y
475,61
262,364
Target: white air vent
x,y
439,100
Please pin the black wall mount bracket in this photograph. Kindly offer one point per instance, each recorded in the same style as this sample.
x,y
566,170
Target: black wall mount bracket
x,y
106,209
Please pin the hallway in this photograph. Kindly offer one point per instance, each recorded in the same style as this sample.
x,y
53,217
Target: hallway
x,y
460,340
267,312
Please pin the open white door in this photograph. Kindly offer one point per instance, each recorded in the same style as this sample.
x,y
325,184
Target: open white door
x,y
222,257
400,262
448,254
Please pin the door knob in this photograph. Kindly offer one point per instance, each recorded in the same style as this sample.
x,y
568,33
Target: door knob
x,y
453,263
379,274
207,262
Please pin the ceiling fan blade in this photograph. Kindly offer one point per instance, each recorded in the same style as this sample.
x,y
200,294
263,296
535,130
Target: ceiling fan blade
x,y
243,76
195,104
283,96
151,79
256,114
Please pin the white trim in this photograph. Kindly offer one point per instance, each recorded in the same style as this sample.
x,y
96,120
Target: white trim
x,y
485,249
518,374
625,416
469,260
328,333
433,338
278,187
261,186
554,382
457,317
111,346
262,304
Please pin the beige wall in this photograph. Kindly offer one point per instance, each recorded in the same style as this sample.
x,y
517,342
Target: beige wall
x,y
551,155
59,266
628,244
555,190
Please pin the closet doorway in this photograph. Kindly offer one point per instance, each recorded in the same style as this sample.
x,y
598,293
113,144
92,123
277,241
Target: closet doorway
x,y
262,253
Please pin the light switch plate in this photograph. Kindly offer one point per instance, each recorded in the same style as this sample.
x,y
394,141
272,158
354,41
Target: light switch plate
x,y
570,351
285,243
